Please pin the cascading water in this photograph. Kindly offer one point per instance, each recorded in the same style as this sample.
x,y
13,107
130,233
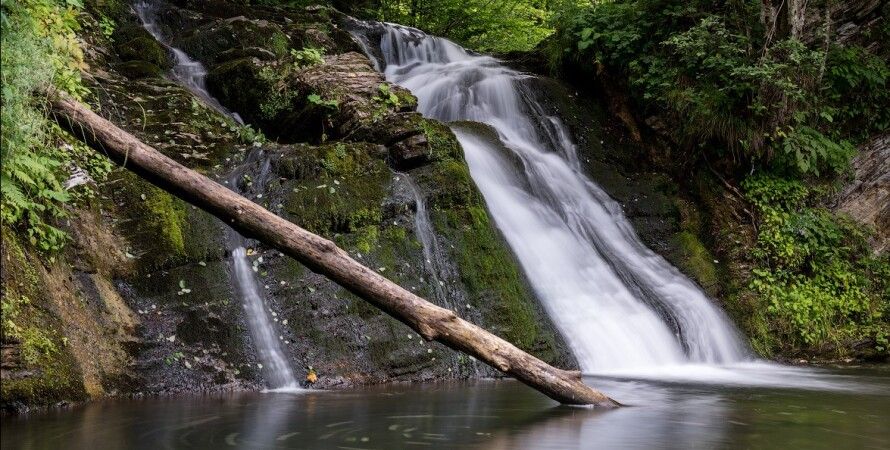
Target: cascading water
x,y
432,256
188,72
192,74
619,305
442,275
275,366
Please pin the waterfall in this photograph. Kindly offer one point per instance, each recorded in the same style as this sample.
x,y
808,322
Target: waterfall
x,y
432,255
441,274
188,72
619,305
276,369
192,74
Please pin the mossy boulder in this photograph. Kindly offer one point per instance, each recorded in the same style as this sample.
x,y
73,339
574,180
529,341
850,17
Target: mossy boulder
x,y
139,69
147,49
210,42
342,98
244,85
335,188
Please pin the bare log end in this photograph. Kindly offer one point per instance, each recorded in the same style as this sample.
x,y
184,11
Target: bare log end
x,y
573,374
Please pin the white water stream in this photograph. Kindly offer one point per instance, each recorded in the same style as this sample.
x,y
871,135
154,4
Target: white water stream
x,y
275,367
623,309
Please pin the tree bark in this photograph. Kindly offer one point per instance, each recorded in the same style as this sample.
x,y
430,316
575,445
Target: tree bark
x,y
321,255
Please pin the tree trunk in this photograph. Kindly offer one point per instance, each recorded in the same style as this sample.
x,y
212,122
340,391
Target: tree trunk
x,y
321,255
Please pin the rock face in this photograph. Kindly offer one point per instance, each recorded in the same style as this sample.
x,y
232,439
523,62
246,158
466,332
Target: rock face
x,y
156,290
867,198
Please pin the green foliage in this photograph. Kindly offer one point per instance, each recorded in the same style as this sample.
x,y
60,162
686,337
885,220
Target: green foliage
x,y
387,100
326,104
483,25
307,57
281,96
822,286
107,26
808,151
34,342
857,91
727,86
248,135
39,48
387,97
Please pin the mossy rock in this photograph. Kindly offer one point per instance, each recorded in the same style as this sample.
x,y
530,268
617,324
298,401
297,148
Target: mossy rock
x,y
344,191
42,370
697,261
145,48
241,85
139,69
209,42
163,230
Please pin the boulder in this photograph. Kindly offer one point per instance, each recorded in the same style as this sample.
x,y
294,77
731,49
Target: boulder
x,y
133,43
139,69
867,197
410,152
212,42
146,48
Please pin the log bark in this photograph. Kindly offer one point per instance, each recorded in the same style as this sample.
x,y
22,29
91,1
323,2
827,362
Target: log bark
x,y
321,255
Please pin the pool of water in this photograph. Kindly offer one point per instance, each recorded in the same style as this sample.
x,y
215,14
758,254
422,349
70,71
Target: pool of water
x,y
851,410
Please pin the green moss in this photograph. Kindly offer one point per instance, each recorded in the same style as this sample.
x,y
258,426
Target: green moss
x,y
28,325
490,274
139,69
144,48
163,230
346,195
697,261
443,144
167,215
366,238
279,44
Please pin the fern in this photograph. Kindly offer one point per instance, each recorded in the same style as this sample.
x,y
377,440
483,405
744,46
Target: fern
x,y
38,47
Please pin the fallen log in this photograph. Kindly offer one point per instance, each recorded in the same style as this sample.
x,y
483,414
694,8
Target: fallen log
x,y
320,255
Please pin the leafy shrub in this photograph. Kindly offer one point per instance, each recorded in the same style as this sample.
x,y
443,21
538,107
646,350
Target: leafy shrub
x,y
776,104
107,26
39,48
484,25
822,286
808,151
858,93
307,57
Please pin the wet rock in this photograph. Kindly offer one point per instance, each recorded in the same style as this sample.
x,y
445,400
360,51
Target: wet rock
x,y
139,69
210,42
146,49
249,52
410,152
240,84
867,197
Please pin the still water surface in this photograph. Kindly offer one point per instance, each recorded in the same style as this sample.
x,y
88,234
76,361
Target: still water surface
x,y
486,415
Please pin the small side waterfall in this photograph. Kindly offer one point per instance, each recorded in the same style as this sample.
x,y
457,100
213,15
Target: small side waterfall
x,y
192,74
277,371
432,256
618,304
442,275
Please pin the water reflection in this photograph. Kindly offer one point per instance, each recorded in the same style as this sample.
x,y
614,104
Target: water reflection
x,y
485,415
